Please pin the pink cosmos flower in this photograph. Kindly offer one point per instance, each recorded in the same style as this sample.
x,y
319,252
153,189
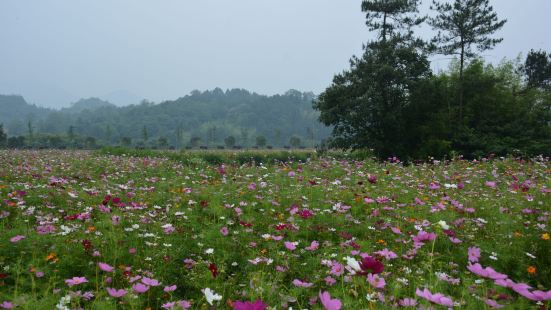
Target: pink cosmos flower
x,y
330,281
407,302
438,298
337,269
6,305
290,246
140,288
313,246
376,281
17,238
488,272
491,184
105,267
474,254
386,253
224,231
493,304
113,292
171,288
424,236
150,282
76,281
300,283
184,304
328,303
248,305
169,305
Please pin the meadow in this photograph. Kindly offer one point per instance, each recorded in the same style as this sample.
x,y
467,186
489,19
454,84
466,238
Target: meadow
x,y
122,230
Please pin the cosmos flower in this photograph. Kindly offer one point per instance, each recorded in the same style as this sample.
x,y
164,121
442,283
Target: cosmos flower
x,y
438,298
76,281
211,296
249,305
105,267
328,302
113,292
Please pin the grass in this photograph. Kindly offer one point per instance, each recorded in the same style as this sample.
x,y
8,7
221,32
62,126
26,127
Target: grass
x,y
163,215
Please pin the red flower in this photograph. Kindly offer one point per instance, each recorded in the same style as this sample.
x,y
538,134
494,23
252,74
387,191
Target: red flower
x,y
213,269
371,265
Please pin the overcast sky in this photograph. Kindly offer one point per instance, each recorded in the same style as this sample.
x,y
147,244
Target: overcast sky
x,y
55,51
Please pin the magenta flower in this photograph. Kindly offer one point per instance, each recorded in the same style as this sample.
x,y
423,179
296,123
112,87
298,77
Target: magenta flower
x,y
6,305
488,272
300,283
491,184
493,304
17,238
337,269
184,304
371,265
168,289
105,267
438,298
150,282
140,288
330,281
113,292
386,253
224,231
313,246
76,281
376,281
291,246
248,305
328,303
408,302
423,237
169,305
474,254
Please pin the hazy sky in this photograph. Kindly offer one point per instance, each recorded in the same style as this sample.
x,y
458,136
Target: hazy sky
x,y
56,51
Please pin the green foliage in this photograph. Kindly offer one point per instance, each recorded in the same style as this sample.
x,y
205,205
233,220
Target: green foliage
x,y
229,141
3,137
365,105
260,141
210,115
537,69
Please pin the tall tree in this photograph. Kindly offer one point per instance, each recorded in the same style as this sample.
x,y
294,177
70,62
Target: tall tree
x,y
464,27
391,16
365,104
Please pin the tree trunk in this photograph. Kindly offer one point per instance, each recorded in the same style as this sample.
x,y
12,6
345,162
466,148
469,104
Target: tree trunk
x,y
462,64
384,27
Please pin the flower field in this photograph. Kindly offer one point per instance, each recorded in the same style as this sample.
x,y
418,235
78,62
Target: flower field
x,y
83,230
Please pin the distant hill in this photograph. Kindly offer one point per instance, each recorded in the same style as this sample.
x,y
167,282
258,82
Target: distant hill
x,y
89,104
208,116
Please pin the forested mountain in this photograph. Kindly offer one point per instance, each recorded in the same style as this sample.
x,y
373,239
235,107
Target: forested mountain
x,y
206,118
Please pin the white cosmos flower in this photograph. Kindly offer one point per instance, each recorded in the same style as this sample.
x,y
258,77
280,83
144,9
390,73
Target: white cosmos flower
x,y
444,225
353,263
211,296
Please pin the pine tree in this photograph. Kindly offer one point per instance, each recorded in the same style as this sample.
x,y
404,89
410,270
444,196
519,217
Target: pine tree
x,y
389,17
464,27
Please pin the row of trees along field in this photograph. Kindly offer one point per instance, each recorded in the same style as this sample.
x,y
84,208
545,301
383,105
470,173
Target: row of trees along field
x,y
214,119
391,102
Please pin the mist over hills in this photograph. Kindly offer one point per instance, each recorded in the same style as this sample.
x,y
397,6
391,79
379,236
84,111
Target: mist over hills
x,y
206,117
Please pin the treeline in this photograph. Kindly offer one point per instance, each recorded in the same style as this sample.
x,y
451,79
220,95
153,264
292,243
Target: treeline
x,y
211,119
391,102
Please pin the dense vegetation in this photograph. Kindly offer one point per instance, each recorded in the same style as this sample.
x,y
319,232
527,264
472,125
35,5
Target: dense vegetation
x,y
200,119
93,231
391,102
